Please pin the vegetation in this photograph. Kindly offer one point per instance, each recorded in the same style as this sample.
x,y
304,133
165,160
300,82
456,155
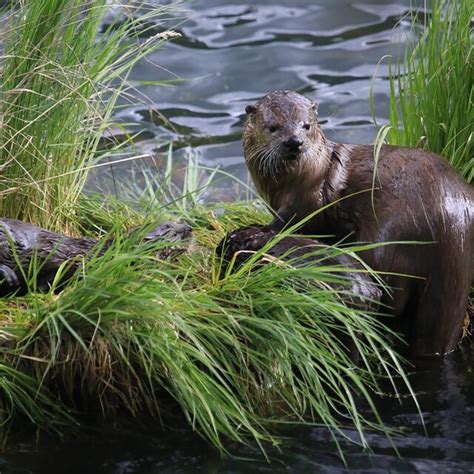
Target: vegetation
x,y
238,355
432,87
60,82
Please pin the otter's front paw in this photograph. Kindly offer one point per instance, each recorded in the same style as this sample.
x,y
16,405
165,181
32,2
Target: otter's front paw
x,y
282,219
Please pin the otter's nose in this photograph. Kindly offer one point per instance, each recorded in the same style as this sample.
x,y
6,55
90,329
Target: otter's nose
x,y
292,144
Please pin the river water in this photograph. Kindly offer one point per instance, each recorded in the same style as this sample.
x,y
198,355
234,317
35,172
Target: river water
x,y
230,54
445,388
233,52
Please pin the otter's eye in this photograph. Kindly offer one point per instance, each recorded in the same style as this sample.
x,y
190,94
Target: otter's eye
x,y
306,126
273,128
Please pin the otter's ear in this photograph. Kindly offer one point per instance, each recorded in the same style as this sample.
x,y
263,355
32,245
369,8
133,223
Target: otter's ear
x,y
250,109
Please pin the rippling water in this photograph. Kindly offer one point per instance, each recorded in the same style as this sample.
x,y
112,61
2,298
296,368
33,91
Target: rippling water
x,y
230,54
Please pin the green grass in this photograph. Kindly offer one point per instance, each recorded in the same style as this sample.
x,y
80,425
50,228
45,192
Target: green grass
x,y
60,82
239,356
431,89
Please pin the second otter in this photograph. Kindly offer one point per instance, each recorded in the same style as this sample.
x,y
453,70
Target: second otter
x,y
411,195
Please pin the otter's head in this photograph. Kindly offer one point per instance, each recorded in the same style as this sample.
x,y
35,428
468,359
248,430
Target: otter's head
x,y
280,133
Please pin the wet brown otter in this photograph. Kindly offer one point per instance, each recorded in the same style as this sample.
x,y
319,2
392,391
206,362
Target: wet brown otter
x,y
23,244
411,195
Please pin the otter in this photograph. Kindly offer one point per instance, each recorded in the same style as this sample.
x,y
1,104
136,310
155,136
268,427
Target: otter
x,y
23,244
394,194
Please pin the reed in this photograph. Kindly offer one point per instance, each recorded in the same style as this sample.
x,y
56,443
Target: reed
x,y
61,78
431,88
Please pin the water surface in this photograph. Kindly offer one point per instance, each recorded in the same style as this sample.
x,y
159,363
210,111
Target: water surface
x,y
232,53
445,388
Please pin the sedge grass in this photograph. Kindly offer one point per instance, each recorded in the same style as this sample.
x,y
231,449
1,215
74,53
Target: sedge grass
x,y
239,355
431,89
60,82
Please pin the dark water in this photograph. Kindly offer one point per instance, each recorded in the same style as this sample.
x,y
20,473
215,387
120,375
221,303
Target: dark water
x,y
230,54
445,388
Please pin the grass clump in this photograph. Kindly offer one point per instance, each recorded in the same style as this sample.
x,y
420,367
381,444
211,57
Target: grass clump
x,y
431,90
60,82
238,356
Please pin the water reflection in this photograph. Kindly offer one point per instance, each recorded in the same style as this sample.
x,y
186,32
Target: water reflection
x,y
446,394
